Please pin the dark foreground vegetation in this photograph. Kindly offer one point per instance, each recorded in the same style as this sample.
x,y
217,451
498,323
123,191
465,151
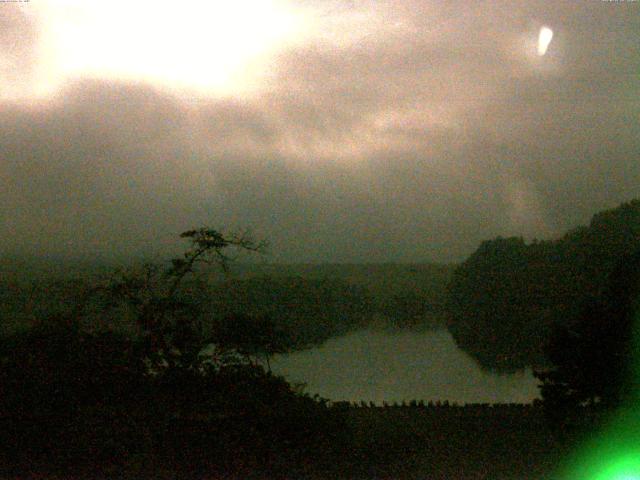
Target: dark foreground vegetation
x,y
84,406
126,380
133,376
445,442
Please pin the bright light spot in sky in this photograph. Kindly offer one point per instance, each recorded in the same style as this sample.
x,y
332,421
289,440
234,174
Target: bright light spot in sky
x,y
218,47
544,39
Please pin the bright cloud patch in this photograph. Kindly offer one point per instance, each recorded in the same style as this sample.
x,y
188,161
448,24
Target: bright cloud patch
x,y
208,46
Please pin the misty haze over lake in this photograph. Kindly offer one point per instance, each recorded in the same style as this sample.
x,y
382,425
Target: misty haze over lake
x,y
375,365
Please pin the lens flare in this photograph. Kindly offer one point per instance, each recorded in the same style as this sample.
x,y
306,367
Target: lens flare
x,y
544,39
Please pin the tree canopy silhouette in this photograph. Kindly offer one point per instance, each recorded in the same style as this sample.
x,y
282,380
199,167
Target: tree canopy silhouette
x,y
595,358
84,399
508,296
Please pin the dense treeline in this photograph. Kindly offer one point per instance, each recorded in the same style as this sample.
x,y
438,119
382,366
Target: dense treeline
x,y
163,372
307,303
594,360
501,305
306,311
400,295
439,405
125,381
508,296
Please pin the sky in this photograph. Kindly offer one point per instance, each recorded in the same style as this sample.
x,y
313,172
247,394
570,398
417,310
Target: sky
x,y
340,131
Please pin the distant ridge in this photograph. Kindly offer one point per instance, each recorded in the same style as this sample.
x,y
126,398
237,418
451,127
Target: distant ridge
x,y
506,298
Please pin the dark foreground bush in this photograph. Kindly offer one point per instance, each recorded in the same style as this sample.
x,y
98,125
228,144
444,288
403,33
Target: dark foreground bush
x,y
84,405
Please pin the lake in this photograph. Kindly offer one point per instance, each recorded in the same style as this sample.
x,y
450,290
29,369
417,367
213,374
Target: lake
x,y
376,365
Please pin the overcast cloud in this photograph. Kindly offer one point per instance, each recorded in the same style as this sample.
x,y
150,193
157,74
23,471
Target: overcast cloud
x,y
397,131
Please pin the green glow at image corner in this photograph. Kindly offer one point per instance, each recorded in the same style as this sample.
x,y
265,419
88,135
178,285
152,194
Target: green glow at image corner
x,y
610,463
627,468
615,454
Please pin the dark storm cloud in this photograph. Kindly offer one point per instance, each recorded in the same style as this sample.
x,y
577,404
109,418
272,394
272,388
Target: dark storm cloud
x,y
425,129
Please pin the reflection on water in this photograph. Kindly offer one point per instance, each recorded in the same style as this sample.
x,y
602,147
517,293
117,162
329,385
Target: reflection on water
x,y
376,366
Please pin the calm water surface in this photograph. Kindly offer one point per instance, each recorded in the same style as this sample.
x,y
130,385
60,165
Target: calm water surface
x,y
377,365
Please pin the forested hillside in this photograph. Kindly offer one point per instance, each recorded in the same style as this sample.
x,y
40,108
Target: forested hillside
x,y
307,303
396,295
506,297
